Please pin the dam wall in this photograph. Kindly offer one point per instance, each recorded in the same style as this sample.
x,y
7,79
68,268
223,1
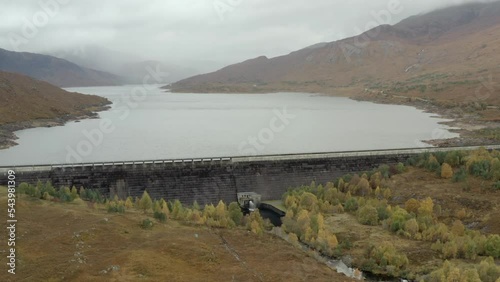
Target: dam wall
x,y
210,180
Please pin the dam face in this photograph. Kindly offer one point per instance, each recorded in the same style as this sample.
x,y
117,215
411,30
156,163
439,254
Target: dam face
x,y
210,180
205,182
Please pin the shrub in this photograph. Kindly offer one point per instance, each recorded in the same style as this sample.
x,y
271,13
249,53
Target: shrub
x,y
129,203
178,211
256,223
351,205
160,216
398,219
81,192
368,215
426,207
495,169
375,180
47,197
488,270
446,171
384,171
303,223
47,188
309,201
145,203
74,193
453,158
196,206
116,207
450,272
64,195
412,206
221,216
492,246
363,188
450,249
147,224
460,175
326,242
411,226
385,259
293,239
92,196
480,168
156,206
23,188
458,228
432,163
235,213
383,213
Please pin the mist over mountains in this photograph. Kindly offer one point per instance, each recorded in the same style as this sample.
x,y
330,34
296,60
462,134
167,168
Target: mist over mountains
x,y
441,54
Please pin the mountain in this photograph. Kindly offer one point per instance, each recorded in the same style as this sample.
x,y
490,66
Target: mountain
x,y
26,102
131,67
135,72
56,71
25,99
453,52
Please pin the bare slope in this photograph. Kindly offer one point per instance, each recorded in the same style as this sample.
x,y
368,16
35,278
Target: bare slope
x,y
24,99
445,54
26,102
54,70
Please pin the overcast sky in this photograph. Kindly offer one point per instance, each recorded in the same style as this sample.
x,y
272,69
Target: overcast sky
x,y
225,31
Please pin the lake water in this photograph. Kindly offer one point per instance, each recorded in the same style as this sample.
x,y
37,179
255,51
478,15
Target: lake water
x,y
152,124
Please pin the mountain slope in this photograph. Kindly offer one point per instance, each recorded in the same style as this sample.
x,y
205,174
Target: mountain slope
x,y
24,99
26,102
56,71
442,54
131,67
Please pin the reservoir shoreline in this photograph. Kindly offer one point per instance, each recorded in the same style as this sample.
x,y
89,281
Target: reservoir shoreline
x,y
172,125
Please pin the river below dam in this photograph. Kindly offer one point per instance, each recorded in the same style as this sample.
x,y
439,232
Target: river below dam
x,y
147,123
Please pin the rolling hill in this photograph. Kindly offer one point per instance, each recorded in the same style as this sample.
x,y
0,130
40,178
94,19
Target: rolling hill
x,y
448,55
26,102
56,71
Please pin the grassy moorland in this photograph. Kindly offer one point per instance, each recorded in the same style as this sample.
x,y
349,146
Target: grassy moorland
x,y
61,237
434,218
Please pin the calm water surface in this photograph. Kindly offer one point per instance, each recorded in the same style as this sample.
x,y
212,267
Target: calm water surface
x,y
161,125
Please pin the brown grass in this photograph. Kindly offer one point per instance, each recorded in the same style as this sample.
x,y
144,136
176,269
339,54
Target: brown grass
x,y
25,99
71,242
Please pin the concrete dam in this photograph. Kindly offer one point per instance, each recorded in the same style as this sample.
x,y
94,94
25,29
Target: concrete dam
x,y
212,179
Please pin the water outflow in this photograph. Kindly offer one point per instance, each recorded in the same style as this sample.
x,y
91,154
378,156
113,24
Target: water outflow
x,y
274,215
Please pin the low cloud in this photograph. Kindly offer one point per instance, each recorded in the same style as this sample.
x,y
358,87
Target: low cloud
x,y
191,31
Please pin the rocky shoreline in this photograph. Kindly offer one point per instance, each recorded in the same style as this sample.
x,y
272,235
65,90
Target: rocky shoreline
x,y
467,124
7,131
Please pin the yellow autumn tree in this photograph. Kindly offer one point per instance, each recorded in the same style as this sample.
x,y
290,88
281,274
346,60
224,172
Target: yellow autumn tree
x,y
145,203
412,206
411,226
426,207
446,171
